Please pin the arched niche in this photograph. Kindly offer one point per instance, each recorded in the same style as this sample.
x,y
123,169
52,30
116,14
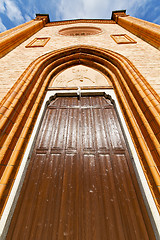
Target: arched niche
x,y
80,76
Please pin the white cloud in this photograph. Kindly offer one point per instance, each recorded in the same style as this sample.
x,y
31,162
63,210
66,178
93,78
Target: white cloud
x,y
157,20
12,11
70,9
2,6
2,27
27,18
96,8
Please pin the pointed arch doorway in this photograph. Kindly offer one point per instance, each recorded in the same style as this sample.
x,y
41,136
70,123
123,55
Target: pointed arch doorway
x,y
138,102
80,183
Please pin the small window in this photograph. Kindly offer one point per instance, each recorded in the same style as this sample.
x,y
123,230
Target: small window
x,y
122,39
38,42
80,31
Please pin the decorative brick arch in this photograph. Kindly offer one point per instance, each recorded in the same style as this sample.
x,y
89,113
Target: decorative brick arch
x,y
139,103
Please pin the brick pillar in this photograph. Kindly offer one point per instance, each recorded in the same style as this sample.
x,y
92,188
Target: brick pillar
x,y
147,31
15,36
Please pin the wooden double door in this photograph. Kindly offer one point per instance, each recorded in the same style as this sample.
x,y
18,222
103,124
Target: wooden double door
x,y
80,183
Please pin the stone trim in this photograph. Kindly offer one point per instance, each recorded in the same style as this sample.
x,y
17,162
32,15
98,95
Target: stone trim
x,y
34,43
43,17
118,13
82,88
99,21
7,32
139,103
122,39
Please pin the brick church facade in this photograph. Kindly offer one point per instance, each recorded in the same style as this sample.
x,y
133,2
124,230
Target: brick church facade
x,y
51,67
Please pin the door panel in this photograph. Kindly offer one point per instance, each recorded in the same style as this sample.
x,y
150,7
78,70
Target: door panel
x,y
80,182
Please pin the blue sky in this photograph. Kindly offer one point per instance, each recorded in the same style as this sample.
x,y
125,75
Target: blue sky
x,y
15,12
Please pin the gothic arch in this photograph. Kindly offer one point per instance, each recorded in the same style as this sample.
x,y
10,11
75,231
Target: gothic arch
x,y
80,76
139,103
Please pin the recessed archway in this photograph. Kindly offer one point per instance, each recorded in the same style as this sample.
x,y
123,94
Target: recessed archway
x,y
138,101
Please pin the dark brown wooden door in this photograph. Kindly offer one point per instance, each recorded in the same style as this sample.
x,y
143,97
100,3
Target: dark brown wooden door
x,y
80,183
